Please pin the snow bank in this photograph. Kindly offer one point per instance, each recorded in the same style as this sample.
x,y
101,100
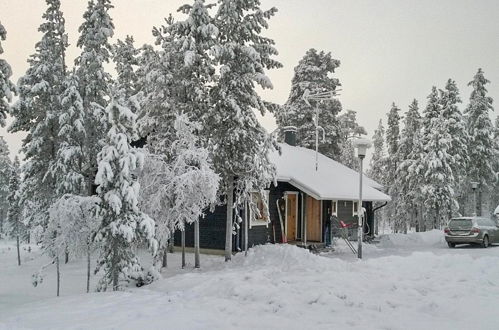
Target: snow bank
x,y
282,286
424,239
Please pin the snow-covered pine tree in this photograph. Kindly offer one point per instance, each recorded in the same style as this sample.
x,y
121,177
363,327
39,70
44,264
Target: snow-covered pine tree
x,y
449,99
7,88
239,144
495,191
94,81
157,74
480,130
406,214
176,188
436,165
177,78
123,224
37,112
349,130
71,155
5,172
126,59
16,226
392,161
377,169
315,73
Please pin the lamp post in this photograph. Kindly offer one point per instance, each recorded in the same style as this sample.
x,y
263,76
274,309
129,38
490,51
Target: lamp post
x,y
362,145
320,96
474,186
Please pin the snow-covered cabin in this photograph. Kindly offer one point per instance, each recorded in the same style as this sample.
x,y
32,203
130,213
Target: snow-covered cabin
x,y
303,199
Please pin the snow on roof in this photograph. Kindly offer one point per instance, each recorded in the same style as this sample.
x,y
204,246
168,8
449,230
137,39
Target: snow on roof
x,y
332,180
497,210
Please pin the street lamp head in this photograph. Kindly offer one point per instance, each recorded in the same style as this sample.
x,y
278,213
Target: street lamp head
x,y
362,145
474,185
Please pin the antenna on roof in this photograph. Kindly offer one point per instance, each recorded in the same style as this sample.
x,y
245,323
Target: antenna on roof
x,y
318,97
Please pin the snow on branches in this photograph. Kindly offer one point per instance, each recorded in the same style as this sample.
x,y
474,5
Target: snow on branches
x,y
176,188
123,224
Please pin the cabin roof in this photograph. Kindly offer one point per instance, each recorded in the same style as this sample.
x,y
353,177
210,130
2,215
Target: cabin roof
x,y
331,181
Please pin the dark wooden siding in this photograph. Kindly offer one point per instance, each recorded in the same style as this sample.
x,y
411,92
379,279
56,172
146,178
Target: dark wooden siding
x,y
212,227
211,230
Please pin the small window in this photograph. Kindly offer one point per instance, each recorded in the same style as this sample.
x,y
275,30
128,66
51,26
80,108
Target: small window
x,y
355,208
334,208
260,217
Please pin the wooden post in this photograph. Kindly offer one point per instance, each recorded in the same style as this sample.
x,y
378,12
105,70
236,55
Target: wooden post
x,y
183,248
305,220
197,263
228,226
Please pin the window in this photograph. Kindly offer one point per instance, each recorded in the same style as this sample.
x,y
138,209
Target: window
x,y
259,211
334,208
355,208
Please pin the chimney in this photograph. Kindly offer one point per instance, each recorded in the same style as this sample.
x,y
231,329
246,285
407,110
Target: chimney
x,y
290,135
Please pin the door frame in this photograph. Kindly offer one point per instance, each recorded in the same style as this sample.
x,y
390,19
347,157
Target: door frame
x,y
286,193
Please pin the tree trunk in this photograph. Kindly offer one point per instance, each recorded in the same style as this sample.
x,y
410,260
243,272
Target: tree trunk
x,y
183,248
114,269
228,227
164,262
17,243
197,263
18,251
58,275
66,256
246,228
88,268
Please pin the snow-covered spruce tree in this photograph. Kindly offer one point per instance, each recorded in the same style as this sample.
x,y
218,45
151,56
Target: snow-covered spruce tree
x,y
37,111
126,59
186,67
5,172
437,162
350,129
16,226
315,73
123,224
157,75
238,143
376,169
449,99
71,156
94,81
406,211
74,221
176,188
392,161
480,130
7,88
495,191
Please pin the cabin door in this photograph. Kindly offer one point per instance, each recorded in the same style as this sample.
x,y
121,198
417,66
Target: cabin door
x,y
291,215
314,219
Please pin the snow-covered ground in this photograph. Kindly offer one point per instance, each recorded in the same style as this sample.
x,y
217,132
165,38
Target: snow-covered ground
x,y
405,282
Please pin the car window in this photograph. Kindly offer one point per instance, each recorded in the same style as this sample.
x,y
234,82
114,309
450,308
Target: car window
x,y
460,223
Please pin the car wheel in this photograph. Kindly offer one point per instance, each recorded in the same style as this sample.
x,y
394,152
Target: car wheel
x,y
485,242
451,245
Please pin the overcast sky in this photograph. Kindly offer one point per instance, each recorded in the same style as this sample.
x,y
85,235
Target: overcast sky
x,y
390,50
